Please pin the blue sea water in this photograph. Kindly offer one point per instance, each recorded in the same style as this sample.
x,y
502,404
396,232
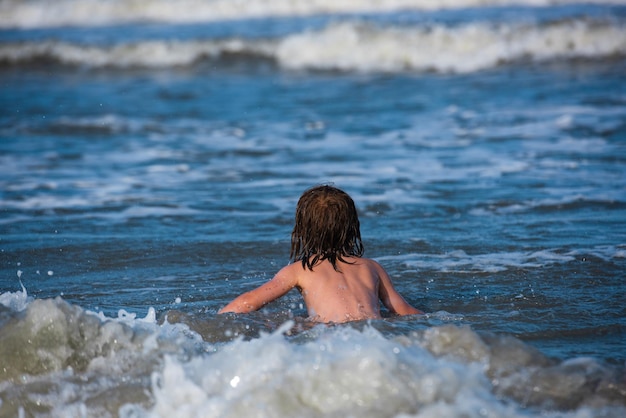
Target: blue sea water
x,y
151,156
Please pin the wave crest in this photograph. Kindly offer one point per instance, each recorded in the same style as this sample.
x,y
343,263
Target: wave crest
x,y
352,47
468,48
42,13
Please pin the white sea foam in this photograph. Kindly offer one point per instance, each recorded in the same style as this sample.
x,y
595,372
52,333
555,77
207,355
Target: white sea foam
x,y
134,367
148,54
443,371
355,46
16,301
54,334
581,196
467,48
459,261
345,372
41,13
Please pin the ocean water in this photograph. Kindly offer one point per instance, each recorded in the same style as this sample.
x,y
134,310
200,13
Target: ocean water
x,y
152,153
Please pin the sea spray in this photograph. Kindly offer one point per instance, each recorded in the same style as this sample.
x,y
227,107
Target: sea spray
x,y
55,357
347,371
344,372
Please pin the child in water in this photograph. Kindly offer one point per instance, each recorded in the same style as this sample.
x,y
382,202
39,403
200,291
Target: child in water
x,y
336,282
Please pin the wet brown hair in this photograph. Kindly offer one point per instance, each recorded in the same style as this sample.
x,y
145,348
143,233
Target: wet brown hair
x,y
327,227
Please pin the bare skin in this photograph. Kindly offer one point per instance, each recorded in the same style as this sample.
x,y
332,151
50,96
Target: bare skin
x,y
351,294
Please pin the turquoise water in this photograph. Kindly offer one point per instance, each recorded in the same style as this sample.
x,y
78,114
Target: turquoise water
x,y
149,173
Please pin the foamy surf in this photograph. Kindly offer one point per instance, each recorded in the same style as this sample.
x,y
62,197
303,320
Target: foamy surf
x,y
352,47
61,360
466,48
40,13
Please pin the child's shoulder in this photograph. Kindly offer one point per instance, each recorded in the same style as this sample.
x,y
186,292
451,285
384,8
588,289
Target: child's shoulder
x,y
292,267
372,265
367,261
360,263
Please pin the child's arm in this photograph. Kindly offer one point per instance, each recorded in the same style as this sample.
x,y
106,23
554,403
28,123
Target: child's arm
x,y
255,299
391,298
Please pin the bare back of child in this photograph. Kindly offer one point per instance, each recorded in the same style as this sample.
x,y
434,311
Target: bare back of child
x,y
336,282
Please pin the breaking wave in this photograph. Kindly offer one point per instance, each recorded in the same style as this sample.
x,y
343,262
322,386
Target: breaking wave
x,y
61,360
351,47
41,13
